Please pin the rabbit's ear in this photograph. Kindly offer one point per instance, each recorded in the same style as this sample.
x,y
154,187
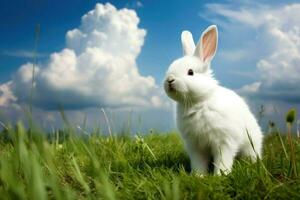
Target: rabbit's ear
x,y
207,45
188,44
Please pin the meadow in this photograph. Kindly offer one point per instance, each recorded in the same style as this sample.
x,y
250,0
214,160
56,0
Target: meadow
x,y
65,164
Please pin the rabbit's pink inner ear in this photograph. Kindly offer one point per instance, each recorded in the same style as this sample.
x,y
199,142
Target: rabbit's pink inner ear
x,y
209,44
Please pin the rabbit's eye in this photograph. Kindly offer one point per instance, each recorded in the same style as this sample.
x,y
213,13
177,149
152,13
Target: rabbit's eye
x,y
190,72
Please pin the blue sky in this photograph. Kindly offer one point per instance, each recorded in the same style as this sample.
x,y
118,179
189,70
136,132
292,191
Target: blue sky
x,y
251,57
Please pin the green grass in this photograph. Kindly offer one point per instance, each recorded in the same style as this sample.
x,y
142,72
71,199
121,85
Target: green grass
x,y
155,166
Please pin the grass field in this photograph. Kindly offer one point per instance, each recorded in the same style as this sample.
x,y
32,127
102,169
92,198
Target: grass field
x,y
64,165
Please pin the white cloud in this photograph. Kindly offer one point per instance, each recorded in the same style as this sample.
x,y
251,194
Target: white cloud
x,y
233,55
276,43
134,4
251,88
23,54
6,96
139,4
97,67
243,73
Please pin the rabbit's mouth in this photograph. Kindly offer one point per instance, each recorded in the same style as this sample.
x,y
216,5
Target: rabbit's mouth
x,y
171,87
174,89
170,84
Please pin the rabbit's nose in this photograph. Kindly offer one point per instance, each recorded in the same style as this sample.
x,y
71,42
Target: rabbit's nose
x,y
170,79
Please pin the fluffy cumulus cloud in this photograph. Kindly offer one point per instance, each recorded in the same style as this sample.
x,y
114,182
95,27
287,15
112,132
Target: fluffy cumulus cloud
x,y
6,96
97,67
276,43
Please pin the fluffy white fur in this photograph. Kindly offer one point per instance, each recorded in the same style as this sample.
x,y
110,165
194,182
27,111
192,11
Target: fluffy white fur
x,y
215,123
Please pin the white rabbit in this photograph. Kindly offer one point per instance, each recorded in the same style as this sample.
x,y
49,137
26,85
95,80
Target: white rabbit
x,y
215,123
